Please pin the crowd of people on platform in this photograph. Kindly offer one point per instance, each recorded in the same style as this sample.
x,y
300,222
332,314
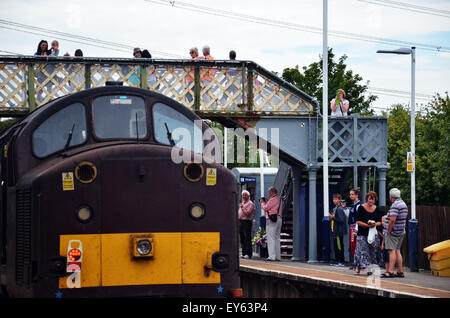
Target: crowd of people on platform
x,y
375,238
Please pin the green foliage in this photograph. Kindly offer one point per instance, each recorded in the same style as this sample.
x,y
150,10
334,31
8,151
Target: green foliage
x,y
432,152
398,145
6,123
309,80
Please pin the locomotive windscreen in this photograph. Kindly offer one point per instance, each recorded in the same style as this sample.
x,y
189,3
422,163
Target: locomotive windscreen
x,y
119,116
65,128
169,122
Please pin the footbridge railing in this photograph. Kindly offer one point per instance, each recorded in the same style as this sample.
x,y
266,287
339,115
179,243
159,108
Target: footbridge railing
x,y
221,88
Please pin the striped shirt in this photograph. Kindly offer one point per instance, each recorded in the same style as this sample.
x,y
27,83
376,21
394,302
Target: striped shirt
x,y
400,210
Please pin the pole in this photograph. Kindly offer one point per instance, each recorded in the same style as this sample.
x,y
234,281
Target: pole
x,y
413,223
261,173
413,132
225,147
326,219
312,176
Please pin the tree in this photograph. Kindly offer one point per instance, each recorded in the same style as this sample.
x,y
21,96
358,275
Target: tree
x,y
310,81
5,124
432,159
398,135
433,152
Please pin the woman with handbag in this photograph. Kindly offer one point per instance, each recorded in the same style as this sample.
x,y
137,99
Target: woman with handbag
x,y
273,208
368,217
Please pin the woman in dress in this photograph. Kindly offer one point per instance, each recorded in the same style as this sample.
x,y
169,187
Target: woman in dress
x,y
367,216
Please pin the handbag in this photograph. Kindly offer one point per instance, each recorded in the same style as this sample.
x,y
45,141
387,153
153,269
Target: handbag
x,y
371,235
273,217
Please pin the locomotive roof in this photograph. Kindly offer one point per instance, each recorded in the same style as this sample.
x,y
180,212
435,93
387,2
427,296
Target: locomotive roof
x,y
61,102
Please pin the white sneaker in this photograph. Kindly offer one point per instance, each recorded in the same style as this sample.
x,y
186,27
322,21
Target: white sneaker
x,y
245,256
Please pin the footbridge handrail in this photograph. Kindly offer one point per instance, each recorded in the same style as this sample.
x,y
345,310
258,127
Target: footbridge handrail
x,y
218,87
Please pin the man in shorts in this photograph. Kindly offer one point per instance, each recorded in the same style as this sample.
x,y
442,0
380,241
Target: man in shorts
x,y
396,229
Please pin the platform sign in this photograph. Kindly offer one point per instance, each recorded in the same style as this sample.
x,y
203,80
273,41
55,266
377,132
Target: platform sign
x,y
409,162
247,179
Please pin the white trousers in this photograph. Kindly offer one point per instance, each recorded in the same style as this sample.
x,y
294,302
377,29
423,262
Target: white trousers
x,y
273,238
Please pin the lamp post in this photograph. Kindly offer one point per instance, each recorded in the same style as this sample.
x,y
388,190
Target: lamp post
x,y
413,223
326,205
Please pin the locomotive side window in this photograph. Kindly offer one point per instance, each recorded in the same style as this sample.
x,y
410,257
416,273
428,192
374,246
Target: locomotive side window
x,y
118,116
63,129
173,128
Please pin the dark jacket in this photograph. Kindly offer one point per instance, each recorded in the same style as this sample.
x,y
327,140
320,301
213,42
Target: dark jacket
x,y
352,214
340,222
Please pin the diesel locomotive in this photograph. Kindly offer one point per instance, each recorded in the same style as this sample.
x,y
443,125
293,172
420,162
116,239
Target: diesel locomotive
x,y
93,204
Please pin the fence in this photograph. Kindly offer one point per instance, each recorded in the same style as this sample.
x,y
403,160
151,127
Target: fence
x,y
434,227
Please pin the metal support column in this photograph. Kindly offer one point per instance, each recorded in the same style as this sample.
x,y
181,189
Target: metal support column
x,y
363,183
298,252
312,252
355,150
382,186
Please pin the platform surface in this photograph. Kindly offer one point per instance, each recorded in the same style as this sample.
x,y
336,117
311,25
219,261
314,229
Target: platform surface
x,y
415,284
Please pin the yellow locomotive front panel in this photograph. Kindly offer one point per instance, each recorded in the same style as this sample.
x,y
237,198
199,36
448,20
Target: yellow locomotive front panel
x,y
111,259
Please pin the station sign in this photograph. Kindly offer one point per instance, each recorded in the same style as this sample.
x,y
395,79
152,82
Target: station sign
x,y
247,179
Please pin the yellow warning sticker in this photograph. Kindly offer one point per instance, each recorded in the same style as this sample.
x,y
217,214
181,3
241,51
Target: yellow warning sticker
x,y
409,157
211,176
409,162
67,181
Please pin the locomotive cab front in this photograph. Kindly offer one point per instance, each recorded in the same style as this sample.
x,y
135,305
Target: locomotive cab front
x,y
108,192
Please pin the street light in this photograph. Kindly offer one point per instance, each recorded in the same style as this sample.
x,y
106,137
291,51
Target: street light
x,y
413,223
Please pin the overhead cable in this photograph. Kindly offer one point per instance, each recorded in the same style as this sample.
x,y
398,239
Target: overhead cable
x,y
294,26
409,7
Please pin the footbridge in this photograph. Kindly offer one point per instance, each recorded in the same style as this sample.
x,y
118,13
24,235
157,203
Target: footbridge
x,y
236,94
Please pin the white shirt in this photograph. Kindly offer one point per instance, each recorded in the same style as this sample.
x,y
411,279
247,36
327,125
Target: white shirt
x,y
338,111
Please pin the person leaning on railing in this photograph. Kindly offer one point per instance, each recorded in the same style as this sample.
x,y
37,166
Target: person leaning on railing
x,y
339,105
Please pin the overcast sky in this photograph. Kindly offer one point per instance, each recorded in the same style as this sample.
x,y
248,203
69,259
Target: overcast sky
x,y
169,31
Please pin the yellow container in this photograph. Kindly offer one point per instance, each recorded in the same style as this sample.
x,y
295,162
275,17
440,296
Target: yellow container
x,y
440,265
438,251
439,257
443,273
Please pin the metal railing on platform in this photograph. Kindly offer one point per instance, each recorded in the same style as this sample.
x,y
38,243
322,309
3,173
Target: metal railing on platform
x,y
217,87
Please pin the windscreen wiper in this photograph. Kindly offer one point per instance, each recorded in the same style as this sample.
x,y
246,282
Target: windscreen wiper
x,y
169,135
69,138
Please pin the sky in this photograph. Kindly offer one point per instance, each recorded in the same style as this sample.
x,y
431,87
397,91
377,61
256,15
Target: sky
x,y
167,29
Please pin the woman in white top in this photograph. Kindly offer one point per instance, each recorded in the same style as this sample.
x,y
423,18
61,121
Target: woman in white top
x,y
339,105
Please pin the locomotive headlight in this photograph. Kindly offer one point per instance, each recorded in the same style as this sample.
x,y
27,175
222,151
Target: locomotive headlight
x,y
197,211
84,214
144,247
